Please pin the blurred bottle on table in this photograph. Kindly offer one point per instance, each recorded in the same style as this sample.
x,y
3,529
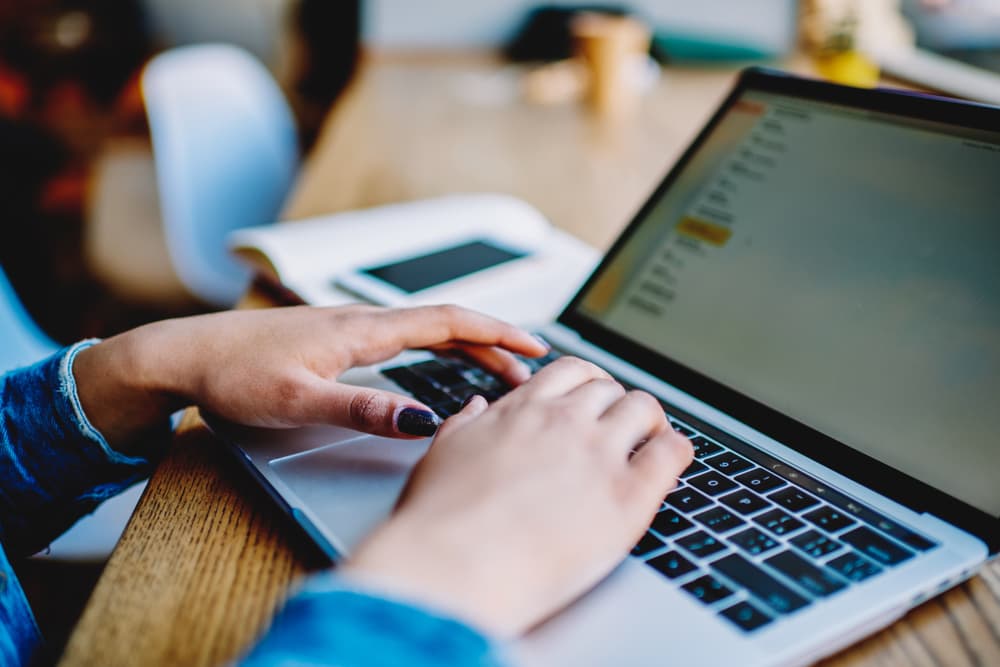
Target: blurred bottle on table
x,y
614,50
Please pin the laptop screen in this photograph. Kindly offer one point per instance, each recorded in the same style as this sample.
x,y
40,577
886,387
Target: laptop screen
x,y
840,266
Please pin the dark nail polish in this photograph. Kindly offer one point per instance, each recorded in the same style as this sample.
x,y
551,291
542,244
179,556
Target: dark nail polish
x,y
414,421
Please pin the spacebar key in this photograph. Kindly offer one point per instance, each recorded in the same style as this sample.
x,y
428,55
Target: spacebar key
x,y
772,592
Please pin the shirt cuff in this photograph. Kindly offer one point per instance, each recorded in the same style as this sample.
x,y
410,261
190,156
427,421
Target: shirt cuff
x,y
54,465
331,621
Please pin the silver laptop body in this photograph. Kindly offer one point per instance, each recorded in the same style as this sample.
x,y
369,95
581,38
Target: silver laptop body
x,y
812,292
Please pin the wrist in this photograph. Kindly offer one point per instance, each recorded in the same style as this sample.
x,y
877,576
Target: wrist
x,y
438,575
156,358
121,390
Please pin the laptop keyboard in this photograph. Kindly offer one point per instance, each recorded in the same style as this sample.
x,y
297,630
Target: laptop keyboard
x,y
752,538
444,384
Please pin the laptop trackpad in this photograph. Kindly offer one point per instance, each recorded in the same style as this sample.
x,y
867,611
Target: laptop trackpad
x,y
350,487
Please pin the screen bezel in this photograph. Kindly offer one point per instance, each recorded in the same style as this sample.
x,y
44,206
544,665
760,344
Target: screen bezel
x,y
895,484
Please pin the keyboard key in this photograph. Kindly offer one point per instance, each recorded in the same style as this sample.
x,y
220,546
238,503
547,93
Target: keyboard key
x,y
668,522
876,547
687,500
463,391
853,566
719,519
753,541
419,387
855,509
815,543
778,522
480,378
747,617
805,574
671,565
729,463
695,468
704,447
649,542
446,409
889,527
828,518
683,430
443,375
701,544
760,480
907,537
793,499
744,502
772,592
712,483
708,589
492,395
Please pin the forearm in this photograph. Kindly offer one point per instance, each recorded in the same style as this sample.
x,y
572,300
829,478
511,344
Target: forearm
x,y
54,465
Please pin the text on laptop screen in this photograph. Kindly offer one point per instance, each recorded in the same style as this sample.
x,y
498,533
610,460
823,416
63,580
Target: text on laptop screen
x,y
837,265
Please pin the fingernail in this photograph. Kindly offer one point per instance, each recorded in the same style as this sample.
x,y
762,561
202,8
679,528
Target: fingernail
x,y
414,421
522,373
543,342
468,400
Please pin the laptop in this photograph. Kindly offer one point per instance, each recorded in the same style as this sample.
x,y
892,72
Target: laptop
x,y
813,293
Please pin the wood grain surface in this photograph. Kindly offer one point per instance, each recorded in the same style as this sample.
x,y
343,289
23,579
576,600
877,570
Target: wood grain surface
x,y
198,573
206,560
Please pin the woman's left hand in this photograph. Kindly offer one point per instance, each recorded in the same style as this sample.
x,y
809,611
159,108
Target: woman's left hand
x,y
280,367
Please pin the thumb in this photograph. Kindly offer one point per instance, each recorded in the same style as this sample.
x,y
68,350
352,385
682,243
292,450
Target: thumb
x,y
474,406
378,412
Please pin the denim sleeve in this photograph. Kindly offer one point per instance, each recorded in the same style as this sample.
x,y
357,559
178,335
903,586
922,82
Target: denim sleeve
x,y
54,465
329,622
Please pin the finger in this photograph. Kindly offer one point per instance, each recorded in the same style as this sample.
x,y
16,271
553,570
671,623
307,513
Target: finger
x,y
559,378
429,326
634,418
372,411
500,362
474,406
657,466
595,397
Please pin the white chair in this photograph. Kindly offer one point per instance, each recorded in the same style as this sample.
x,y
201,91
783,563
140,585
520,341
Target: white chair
x,y
22,343
225,154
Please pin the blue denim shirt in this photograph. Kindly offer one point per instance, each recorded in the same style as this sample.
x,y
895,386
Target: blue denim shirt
x,y
55,467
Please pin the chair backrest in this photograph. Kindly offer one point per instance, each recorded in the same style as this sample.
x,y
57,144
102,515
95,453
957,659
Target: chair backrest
x,y
226,152
21,341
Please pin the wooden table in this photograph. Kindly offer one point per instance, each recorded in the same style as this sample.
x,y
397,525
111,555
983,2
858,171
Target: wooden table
x,y
206,559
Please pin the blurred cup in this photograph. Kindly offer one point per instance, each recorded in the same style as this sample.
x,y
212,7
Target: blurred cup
x,y
611,46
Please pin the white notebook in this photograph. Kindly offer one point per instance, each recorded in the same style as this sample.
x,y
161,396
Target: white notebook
x,y
308,257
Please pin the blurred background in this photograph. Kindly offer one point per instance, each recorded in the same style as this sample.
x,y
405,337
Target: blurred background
x,y
70,98
91,179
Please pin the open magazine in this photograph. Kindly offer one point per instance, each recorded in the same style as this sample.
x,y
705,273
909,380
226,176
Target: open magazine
x,y
312,258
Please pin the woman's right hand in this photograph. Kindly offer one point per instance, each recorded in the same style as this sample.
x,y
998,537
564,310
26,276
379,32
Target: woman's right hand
x,y
520,507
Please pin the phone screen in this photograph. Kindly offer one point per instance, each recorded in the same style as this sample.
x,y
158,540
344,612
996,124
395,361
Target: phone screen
x,y
418,273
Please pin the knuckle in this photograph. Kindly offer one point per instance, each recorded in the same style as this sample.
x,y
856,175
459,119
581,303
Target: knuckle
x,y
645,401
366,410
611,384
449,311
573,364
